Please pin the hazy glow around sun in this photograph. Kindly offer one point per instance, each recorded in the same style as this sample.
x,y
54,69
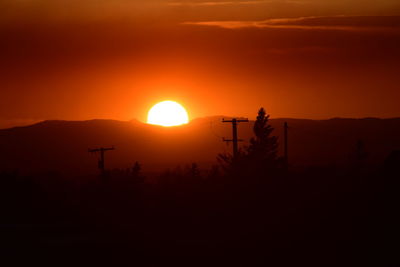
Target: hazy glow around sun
x,y
167,113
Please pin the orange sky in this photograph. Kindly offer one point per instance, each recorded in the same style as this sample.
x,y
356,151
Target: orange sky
x,y
89,59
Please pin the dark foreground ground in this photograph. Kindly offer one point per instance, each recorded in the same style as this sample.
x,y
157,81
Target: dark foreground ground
x,y
316,217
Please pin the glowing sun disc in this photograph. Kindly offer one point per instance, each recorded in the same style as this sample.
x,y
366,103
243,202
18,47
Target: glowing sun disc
x,y
167,113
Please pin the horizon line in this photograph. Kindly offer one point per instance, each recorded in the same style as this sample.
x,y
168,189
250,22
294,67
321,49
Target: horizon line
x,y
191,120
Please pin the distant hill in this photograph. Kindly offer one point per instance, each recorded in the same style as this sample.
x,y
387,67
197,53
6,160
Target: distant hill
x,y
63,145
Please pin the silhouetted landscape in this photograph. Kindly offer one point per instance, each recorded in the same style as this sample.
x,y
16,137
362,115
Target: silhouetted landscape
x,y
61,146
200,133
334,204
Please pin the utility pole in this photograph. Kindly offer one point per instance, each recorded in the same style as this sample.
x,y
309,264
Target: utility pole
x,y
234,139
101,150
286,153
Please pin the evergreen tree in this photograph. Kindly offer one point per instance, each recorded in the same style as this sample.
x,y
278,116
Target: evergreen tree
x,y
233,165
263,147
136,172
136,169
260,156
194,171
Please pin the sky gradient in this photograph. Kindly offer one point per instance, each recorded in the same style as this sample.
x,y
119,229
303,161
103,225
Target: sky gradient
x,y
78,60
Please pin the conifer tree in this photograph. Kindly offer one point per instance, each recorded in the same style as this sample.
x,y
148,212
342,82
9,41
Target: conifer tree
x,y
260,156
263,147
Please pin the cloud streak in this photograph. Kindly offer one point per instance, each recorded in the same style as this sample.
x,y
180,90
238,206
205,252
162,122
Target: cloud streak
x,y
334,23
231,3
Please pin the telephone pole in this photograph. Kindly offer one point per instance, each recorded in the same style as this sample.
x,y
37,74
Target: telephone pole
x,y
101,150
234,139
285,148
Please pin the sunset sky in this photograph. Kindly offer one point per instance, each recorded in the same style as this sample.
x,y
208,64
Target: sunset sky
x,y
86,59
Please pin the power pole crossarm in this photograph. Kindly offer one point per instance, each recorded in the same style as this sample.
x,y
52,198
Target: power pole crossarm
x,y
235,139
230,140
236,120
101,150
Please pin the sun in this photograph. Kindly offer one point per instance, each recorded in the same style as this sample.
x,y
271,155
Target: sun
x,y
167,113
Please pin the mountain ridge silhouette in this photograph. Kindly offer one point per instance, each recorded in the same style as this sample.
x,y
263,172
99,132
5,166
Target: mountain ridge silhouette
x,y
60,145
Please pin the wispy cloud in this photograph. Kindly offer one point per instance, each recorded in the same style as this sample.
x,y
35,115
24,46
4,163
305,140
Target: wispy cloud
x,y
231,3
337,23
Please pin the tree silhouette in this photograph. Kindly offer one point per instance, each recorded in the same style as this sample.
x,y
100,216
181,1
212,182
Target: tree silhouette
x,y
194,171
263,147
136,169
260,156
136,172
231,164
